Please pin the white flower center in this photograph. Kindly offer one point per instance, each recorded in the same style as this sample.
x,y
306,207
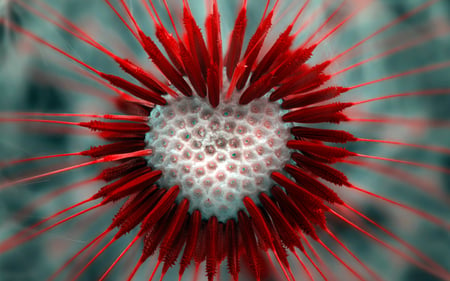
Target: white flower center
x,y
217,155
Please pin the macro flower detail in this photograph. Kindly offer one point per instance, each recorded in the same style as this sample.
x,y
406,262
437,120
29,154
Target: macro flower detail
x,y
224,154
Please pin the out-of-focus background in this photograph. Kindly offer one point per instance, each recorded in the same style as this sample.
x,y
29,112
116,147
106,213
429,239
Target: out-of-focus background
x,y
36,79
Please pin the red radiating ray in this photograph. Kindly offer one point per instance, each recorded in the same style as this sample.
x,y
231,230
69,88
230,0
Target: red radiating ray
x,y
356,274
344,21
108,158
80,272
388,26
411,163
122,19
403,255
415,123
438,149
84,115
323,266
419,213
408,94
370,271
427,68
398,239
408,45
66,264
426,185
70,84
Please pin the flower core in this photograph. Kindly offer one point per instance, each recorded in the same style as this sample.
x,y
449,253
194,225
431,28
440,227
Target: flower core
x,y
218,155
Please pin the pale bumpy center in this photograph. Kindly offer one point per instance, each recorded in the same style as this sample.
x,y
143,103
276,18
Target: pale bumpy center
x,y
217,155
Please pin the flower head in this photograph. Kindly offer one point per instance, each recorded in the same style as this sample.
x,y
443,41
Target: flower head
x,y
226,149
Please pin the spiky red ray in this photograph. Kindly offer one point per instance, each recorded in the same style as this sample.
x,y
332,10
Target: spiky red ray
x,y
236,41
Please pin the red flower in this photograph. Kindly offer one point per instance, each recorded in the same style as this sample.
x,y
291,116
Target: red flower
x,y
224,159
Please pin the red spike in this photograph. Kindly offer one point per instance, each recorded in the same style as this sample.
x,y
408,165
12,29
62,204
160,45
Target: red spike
x,y
133,186
236,41
257,89
197,45
312,185
122,169
191,242
327,135
155,235
164,65
321,170
160,209
281,46
231,247
135,90
120,127
170,44
293,62
289,207
254,257
253,48
282,225
214,40
116,136
121,181
174,229
320,149
278,249
132,107
174,252
135,209
200,249
310,205
119,258
193,71
316,114
221,247
312,98
141,75
211,250
303,80
114,148
259,222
